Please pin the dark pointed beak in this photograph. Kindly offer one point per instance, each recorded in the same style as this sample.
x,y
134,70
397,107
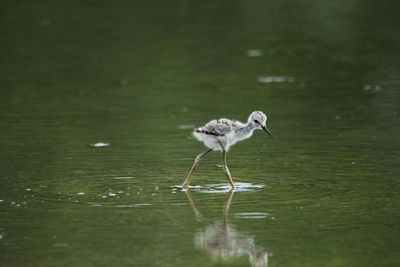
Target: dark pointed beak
x,y
266,129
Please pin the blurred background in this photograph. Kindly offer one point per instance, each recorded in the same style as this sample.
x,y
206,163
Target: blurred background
x,y
99,99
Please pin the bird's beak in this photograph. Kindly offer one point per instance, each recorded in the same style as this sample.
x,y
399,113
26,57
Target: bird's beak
x,y
266,129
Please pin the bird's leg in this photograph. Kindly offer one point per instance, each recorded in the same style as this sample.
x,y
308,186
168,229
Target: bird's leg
x,y
226,169
225,166
195,164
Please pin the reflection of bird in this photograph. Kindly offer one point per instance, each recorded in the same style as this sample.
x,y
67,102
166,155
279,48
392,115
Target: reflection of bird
x,y
224,242
223,133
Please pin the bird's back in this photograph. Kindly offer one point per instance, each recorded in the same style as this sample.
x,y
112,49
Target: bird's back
x,y
219,127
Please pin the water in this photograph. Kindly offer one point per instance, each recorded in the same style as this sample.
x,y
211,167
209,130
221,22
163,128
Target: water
x,y
99,99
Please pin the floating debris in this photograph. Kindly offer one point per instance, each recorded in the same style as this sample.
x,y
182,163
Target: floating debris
x,y
100,144
123,82
369,87
275,79
45,22
185,126
255,52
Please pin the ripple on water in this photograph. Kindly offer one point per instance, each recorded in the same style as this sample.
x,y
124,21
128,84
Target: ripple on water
x,y
132,205
60,245
122,178
100,144
224,188
251,215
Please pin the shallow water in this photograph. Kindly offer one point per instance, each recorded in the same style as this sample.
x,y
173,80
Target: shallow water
x,y
98,104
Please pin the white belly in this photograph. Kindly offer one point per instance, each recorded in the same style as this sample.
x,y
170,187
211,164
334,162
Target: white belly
x,y
213,142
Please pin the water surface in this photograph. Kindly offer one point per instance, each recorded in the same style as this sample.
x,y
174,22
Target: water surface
x,y
99,100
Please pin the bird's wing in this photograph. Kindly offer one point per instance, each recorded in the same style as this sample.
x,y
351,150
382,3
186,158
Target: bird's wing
x,y
218,127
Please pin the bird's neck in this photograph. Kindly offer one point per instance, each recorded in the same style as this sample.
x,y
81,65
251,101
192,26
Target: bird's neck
x,y
247,130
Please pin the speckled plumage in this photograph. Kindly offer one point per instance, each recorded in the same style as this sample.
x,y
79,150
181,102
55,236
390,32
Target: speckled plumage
x,y
221,134
227,132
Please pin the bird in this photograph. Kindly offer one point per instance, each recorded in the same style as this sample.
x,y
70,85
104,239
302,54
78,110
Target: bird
x,y
221,134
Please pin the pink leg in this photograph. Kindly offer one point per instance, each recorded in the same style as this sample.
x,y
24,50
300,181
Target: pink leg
x,y
225,166
195,165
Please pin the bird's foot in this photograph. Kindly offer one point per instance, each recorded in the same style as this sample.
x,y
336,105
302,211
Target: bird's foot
x,y
185,186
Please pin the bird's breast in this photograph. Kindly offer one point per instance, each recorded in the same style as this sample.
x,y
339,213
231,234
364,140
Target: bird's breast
x,y
241,135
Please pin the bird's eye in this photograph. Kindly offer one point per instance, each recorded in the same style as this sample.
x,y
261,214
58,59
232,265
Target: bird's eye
x,y
256,121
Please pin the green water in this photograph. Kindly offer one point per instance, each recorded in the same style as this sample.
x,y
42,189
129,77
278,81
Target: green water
x,y
139,75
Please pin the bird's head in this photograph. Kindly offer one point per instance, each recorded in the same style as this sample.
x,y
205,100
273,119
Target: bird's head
x,y
259,121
